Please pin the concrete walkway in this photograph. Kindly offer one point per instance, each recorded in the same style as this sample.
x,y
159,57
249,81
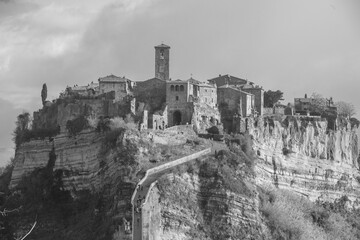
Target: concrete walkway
x,y
142,189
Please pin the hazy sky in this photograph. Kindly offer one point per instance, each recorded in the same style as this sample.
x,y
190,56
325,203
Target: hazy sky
x,y
299,47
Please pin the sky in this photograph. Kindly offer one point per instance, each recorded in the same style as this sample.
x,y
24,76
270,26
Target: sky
x,y
297,47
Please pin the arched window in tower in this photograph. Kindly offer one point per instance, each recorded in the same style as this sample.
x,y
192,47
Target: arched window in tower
x,y
161,54
181,88
172,88
177,88
177,98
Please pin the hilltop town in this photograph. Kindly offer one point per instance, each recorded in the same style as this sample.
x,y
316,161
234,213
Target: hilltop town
x,y
160,102
179,159
224,101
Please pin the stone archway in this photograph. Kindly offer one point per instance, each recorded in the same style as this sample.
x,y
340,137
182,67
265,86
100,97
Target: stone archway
x,y
177,118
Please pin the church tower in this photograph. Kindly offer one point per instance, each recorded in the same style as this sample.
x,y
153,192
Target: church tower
x,y
162,54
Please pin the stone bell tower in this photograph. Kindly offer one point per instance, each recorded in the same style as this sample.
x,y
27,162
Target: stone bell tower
x,y
162,58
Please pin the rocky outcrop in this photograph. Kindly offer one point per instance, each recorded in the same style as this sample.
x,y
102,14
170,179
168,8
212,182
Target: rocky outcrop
x,y
303,155
76,156
191,206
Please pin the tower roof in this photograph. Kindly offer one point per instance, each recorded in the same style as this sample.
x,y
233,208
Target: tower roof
x,y
162,46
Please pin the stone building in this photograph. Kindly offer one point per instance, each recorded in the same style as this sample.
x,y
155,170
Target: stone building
x,y
207,94
243,85
162,61
311,106
122,86
181,96
236,101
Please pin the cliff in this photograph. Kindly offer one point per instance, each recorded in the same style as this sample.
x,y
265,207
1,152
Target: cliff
x,y
213,199
217,199
303,155
226,196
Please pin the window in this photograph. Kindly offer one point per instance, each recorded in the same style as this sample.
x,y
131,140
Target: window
x,y
177,98
205,99
177,88
161,54
181,88
172,88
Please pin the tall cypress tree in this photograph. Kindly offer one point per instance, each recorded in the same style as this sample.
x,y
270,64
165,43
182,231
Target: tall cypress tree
x,y
44,93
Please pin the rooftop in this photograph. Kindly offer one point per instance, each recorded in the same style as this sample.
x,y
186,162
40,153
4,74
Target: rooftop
x,y
162,46
113,78
230,79
234,88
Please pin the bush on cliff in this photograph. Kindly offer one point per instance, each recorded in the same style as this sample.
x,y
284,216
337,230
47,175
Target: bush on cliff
x,y
76,125
290,216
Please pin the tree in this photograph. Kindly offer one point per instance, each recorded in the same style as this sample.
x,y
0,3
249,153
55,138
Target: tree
x,y
22,127
318,103
345,109
354,122
44,93
272,97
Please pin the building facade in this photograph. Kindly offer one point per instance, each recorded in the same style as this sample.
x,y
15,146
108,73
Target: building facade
x,y
120,85
243,85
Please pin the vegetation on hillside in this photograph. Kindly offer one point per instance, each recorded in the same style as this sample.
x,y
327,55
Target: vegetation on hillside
x,y
75,126
290,216
24,133
228,174
271,98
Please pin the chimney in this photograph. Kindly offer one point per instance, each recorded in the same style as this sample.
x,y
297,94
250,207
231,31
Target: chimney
x,y
305,95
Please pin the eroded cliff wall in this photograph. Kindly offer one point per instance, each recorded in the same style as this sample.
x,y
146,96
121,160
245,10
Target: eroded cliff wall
x,y
303,155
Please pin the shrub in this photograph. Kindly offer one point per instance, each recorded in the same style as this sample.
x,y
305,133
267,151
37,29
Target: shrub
x,y
290,216
92,122
127,123
41,133
111,137
103,124
76,125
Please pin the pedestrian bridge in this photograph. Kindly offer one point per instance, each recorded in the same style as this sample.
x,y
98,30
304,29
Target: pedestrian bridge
x,y
139,197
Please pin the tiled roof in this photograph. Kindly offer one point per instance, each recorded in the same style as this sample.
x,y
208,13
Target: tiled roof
x,y
194,81
190,80
113,78
230,79
234,88
162,46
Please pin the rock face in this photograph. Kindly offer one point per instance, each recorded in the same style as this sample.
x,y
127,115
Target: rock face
x,y
81,159
77,157
302,155
192,210
298,154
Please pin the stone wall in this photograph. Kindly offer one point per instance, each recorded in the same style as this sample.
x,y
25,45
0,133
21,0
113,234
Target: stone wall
x,y
208,95
259,98
152,93
274,111
204,117
151,214
237,101
67,109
